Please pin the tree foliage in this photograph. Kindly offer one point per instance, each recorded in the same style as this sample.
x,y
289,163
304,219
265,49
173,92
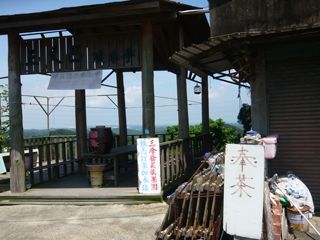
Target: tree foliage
x,y
244,117
60,132
172,130
221,133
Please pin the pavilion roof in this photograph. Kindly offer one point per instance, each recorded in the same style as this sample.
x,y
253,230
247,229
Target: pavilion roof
x,y
114,13
117,17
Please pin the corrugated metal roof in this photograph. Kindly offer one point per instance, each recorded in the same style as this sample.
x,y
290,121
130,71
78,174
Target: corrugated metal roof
x,y
215,55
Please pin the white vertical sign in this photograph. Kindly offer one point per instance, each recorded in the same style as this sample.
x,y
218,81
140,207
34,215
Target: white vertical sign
x,y
243,190
148,150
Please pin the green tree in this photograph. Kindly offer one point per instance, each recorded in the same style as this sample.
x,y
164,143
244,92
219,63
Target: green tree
x,y
244,117
173,130
60,132
4,121
221,133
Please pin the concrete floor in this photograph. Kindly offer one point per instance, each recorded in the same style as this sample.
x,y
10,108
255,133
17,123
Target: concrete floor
x,y
76,189
112,222
311,234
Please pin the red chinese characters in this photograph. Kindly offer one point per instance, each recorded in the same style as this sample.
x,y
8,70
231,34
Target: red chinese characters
x,y
153,172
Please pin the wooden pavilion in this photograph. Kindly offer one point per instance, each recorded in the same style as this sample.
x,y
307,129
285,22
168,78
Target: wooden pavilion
x,y
125,36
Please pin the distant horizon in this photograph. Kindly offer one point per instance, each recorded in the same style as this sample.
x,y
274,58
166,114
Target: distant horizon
x,y
132,130
132,126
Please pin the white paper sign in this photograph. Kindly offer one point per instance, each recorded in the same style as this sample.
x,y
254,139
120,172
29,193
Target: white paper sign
x,y
243,190
2,165
76,80
149,165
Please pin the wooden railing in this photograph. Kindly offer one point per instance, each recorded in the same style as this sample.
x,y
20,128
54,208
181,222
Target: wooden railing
x,y
132,139
51,161
36,141
57,157
173,161
179,158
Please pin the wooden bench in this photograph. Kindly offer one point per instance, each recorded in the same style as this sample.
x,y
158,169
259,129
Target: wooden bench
x,y
114,156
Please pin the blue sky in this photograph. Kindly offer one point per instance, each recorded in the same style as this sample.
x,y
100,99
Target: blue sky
x,y
222,96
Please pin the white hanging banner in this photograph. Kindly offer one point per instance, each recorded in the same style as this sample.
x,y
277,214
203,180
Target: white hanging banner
x,y
243,190
75,80
148,151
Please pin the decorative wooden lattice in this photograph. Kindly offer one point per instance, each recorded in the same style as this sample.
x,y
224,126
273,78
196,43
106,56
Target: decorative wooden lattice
x,y
80,53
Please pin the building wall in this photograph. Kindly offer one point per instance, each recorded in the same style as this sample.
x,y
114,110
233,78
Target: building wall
x,y
293,106
228,16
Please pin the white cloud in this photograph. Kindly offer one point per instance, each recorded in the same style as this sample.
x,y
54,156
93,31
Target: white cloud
x,y
96,101
133,95
215,93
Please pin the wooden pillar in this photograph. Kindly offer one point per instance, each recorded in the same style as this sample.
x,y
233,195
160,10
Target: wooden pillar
x,y
122,110
17,169
205,106
81,122
259,103
182,95
259,106
148,113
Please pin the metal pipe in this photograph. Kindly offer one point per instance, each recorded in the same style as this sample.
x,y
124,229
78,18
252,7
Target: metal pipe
x,y
194,11
48,117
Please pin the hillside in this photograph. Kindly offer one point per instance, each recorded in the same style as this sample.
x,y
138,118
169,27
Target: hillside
x,y
132,130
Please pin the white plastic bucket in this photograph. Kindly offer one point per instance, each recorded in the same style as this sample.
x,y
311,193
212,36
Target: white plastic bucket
x,y
297,221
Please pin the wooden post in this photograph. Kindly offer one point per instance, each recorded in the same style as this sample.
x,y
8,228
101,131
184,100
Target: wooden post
x,y
81,122
122,110
182,95
207,142
205,106
148,113
259,104
17,169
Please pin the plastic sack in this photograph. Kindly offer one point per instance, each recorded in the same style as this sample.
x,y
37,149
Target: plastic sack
x,y
297,190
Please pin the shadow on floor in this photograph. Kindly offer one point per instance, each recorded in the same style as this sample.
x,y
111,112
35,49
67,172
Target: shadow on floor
x,y
82,180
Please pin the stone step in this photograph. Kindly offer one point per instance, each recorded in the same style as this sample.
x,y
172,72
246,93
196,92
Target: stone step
x,y
50,200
